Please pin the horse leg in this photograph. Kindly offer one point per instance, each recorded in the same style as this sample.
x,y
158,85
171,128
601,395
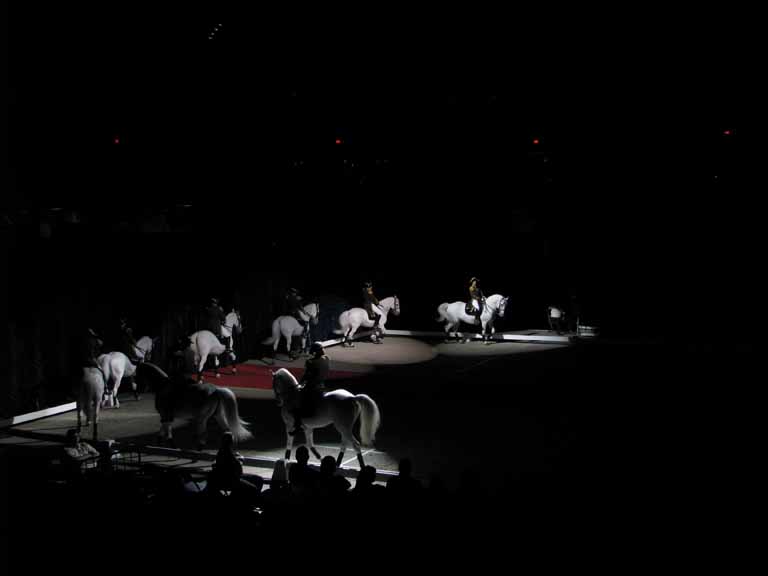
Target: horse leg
x,y
288,421
135,388
201,423
288,343
201,366
351,336
166,434
308,434
118,375
216,366
348,438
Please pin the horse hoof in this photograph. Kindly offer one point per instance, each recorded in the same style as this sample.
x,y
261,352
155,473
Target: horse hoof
x,y
234,370
218,375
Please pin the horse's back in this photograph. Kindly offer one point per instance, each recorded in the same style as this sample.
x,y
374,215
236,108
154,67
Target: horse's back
x,y
204,340
91,384
338,394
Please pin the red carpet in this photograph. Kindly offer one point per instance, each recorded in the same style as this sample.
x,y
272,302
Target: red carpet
x,y
251,376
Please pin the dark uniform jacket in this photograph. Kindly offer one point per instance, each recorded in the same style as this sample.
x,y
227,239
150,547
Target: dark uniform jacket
x,y
475,294
368,299
214,318
293,303
315,373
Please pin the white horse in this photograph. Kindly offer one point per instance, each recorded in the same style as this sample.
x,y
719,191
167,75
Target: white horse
x,y
90,394
455,313
115,366
350,320
232,326
338,407
203,344
144,346
186,398
288,327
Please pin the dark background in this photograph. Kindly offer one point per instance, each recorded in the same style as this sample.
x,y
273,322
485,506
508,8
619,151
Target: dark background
x,y
201,167
237,151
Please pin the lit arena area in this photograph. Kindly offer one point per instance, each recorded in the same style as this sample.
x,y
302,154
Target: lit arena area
x,y
411,376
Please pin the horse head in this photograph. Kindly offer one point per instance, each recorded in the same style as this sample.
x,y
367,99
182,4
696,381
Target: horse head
x,y
396,308
497,303
285,386
390,304
313,311
233,322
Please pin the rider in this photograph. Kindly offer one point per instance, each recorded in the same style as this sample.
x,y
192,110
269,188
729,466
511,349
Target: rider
x,y
312,385
91,347
371,305
214,317
127,341
293,304
476,299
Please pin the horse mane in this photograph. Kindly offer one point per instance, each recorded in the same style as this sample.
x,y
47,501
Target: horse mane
x,y
286,375
495,297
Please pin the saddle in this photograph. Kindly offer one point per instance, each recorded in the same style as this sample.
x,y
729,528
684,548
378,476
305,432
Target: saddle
x,y
470,310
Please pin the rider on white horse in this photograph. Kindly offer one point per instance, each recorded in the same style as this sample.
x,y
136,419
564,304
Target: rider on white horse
x,y
312,385
214,317
476,299
92,346
371,305
293,306
127,341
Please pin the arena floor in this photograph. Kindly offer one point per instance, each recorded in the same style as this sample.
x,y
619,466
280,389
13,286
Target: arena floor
x,y
432,396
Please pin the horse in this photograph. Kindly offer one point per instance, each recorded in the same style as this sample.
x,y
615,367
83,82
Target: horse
x,y
114,367
144,346
453,314
338,407
185,398
204,343
90,395
232,326
288,327
350,320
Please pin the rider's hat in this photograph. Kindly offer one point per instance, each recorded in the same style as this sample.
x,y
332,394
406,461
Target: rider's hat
x,y
316,348
474,279
368,283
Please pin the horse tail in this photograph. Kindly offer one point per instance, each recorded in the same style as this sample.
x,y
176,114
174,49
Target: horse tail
x,y
275,333
92,386
442,311
370,419
343,323
238,427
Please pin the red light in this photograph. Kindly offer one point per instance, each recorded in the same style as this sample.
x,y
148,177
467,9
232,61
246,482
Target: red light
x,y
535,140
338,140
116,140
727,132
